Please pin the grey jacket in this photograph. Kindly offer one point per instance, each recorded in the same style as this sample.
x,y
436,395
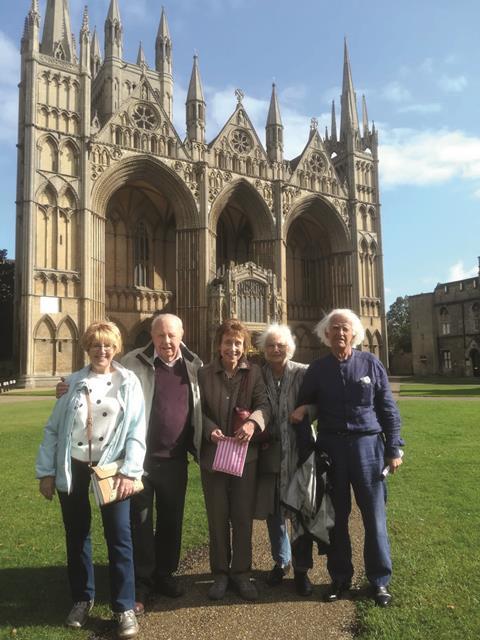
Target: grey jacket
x,y
141,362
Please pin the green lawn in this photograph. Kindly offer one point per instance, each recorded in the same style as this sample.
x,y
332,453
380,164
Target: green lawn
x,y
33,583
443,389
434,525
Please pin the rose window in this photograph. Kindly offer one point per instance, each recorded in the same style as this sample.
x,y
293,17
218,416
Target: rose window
x,y
316,163
241,141
144,117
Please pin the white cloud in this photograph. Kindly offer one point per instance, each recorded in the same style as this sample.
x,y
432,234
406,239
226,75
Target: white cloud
x,y
452,84
396,92
409,156
9,79
458,272
427,65
430,107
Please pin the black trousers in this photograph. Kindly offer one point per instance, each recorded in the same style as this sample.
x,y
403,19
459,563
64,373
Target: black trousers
x,y
156,551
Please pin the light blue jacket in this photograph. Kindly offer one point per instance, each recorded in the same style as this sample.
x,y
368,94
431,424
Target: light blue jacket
x,y
128,441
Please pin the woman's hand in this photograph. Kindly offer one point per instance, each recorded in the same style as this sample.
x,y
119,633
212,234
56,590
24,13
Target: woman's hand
x,y
245,433
123,485
47,487
298,414
61,388
217,435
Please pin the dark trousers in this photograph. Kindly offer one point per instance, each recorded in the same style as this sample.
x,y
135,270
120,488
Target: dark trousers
x,y
77,518
230,501
156,550
358,462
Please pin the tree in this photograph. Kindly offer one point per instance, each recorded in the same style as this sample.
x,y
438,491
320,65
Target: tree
x,y
398,326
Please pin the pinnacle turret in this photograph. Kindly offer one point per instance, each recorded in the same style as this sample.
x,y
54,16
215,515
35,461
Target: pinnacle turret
x,y
349,118
113,32
141,56
274,129
57,38
164,64
195,106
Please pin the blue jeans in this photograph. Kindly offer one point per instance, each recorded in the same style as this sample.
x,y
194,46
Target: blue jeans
x,y
116,526
357,462
279,542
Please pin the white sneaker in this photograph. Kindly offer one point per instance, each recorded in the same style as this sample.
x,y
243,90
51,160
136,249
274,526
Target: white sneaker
x,y
127,625
79,614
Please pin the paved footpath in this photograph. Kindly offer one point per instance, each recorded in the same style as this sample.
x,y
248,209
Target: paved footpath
x,y
279,614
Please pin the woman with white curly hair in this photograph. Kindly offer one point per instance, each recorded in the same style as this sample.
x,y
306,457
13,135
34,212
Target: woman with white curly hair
x,y
359,428
283,378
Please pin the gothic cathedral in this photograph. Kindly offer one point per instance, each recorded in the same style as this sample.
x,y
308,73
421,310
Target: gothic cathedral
x,y
117,216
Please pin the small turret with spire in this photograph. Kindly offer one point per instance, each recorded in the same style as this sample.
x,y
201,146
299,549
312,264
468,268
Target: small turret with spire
x,y
113,32
85,42
274,129
141,60
195,106
31,31
164,64
95,54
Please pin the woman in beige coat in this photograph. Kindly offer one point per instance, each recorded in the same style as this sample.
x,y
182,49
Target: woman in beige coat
x,y
230,381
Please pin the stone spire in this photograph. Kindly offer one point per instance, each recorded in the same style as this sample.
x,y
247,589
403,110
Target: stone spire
x,y
57,38
333,128
349,118
141,61
274,129
163,64
113,32
364,116
85,42
95,54
195,106
163,46
31,30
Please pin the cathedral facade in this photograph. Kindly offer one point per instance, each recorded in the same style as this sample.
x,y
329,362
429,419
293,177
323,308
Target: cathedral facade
x,y
117,216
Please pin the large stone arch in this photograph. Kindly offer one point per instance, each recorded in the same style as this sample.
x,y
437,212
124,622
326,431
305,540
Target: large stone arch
x,y
319,260
152,233
44,346
67,346
147,170
242,227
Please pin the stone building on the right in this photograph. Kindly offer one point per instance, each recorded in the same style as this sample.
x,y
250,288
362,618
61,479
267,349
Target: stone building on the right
x,y
445,328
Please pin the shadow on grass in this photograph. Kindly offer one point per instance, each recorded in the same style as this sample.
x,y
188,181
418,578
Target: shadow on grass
x,y
459,392
40,596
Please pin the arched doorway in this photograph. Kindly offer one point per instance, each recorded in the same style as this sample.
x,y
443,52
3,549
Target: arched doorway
x,y
152,237
243,228
140,244
319,274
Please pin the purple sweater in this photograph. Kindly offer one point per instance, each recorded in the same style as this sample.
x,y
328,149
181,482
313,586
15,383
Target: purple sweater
x,y
169,432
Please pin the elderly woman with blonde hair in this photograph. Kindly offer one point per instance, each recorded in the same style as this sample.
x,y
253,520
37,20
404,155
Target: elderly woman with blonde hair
x,y
283,378
110,395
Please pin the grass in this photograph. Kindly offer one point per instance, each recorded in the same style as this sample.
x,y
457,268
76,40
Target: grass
x,y
434,389
33,580
434,523
434,526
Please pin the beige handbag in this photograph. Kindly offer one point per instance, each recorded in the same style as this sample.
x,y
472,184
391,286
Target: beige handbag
x,y
103,476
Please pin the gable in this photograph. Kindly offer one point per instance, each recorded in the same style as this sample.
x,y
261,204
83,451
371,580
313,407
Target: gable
x,y
313,169
142,124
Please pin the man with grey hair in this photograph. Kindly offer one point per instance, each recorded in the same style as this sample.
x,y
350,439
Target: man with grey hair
x,y
359,428
168,374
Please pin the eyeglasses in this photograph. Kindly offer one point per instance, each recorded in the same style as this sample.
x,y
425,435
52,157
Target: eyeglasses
x,y
276,345
108,348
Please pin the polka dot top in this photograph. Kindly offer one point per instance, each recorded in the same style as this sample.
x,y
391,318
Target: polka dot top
x,y
103,389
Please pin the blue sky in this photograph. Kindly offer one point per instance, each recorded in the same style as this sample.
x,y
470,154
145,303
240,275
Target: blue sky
x,y
418,64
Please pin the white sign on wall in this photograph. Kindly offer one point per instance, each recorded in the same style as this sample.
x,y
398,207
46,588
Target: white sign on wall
x,y
49,304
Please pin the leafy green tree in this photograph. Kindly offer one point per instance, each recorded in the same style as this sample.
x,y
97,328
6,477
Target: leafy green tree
x,y
398,326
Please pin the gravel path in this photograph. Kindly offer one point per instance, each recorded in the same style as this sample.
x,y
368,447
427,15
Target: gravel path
x,y
279,614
